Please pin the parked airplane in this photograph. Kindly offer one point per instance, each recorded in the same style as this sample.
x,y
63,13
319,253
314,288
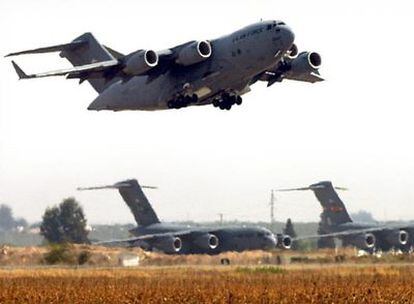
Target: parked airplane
x,y
151,234
367,236
202,72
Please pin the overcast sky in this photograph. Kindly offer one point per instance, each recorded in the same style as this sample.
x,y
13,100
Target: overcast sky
x,y
354,129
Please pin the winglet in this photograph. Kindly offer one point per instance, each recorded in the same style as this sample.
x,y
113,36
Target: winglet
x,y
19,71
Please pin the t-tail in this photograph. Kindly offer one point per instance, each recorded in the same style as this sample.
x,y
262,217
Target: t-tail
x,y
86,54
134,197
334,210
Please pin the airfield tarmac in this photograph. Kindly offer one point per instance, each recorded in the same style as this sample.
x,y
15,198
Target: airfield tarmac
x,y
383,283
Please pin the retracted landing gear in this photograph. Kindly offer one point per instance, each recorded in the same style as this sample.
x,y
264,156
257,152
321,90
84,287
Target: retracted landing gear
x,y
227,101
182,101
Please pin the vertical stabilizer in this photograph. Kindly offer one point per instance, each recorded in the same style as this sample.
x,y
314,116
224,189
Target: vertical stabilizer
x,y
134,197
90,51
334,210
138,203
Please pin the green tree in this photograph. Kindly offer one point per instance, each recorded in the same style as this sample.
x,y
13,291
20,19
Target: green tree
x,y
290,231
65,223
6,218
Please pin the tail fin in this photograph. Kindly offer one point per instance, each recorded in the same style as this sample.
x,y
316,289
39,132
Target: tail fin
x,y
90,51
334,210
84,51
136,200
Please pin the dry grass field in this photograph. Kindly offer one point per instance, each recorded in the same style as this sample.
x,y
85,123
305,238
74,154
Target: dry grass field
x,y
211,284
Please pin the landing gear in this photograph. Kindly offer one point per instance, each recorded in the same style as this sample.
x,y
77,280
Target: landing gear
x,y
182,101
227,101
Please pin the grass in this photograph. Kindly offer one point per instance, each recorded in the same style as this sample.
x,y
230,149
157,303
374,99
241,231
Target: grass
x,y
335,284
261,269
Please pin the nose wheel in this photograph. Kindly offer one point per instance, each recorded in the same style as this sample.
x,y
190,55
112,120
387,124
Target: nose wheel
x,y
182,101
227,101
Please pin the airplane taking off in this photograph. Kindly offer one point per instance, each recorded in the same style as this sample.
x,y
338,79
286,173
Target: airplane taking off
x,y
336,222
152,235
202,72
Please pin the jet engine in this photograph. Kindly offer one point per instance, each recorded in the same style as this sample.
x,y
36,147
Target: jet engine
x,y
397,238
207,241
283,241
141,62
293,52
193,53
305,62
169,244
363,241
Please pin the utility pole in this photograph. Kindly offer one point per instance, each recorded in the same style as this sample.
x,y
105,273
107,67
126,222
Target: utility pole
x,y
272,208
221,218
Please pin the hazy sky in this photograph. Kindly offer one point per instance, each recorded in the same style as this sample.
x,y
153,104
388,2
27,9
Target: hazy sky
x,y
354,129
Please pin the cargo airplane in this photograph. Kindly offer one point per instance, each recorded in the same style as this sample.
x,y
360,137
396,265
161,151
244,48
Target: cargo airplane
x,y
153,235
337,223
217,71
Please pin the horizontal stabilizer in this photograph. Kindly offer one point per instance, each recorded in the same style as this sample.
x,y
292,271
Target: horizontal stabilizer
x,y
115,186
312,187
49,49
70,72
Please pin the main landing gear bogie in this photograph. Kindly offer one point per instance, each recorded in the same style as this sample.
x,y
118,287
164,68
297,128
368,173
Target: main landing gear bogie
x,y
227,101
182,101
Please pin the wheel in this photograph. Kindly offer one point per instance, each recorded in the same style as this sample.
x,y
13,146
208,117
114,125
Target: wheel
x,y
180,102
228,107
170,104
222,106
187,100
239,100
233,99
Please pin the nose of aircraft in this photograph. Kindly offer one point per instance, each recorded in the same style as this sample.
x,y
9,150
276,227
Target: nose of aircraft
x,y
288,36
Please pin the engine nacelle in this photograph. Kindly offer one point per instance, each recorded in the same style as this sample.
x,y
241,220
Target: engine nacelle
x,y
169,244
397,238
193,53
140,62
363,241
284,241
207,241
305,63
293,52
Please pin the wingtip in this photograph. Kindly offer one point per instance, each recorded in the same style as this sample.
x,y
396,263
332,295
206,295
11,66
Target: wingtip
x,y
19,71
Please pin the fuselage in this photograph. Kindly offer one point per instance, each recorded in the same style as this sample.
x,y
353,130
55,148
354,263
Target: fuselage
x,y
232,238
235,60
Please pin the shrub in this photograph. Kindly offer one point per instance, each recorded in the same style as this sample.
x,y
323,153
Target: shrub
x,y
60,254
84,257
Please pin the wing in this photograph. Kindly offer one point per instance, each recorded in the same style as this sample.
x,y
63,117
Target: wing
x,y
303,67
145,240
273,77
381,228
